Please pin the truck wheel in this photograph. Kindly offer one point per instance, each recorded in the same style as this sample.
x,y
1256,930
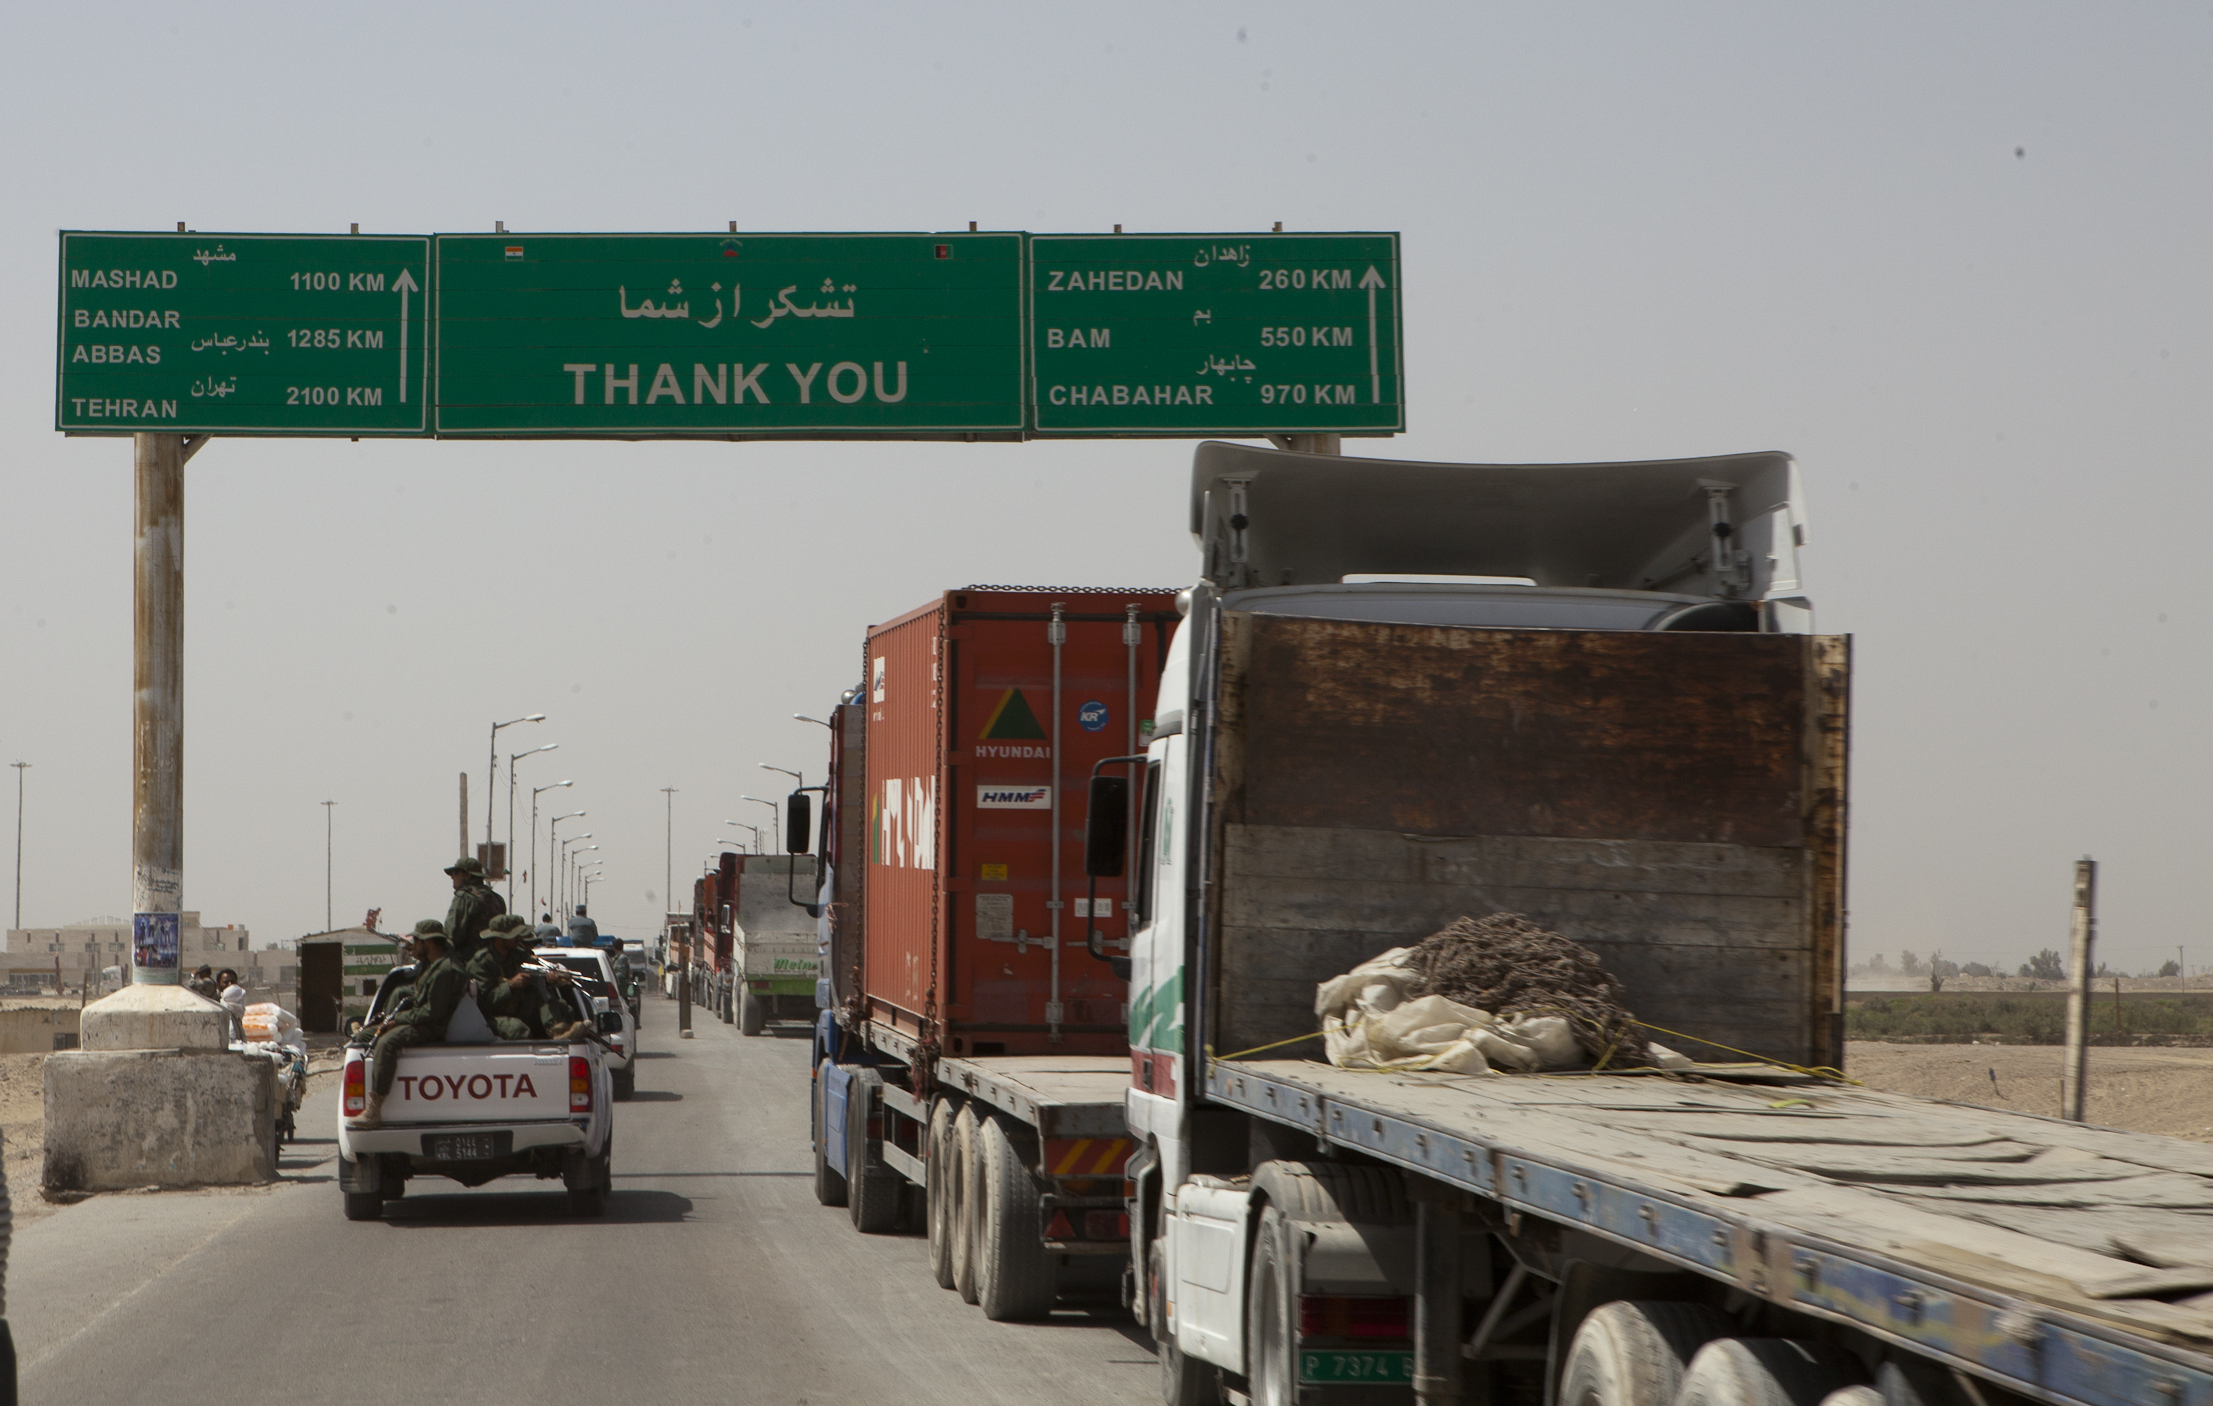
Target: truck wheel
x,y
1270,1302
871,1188
1015,1278
1761,1372
829,1184
752,1013
589,1184
1634,1353
364,1205
966,1184
1184,1381
940,1192
626,1083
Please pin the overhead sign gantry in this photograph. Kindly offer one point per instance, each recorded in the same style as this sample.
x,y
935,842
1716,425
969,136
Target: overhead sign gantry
x,y
995,335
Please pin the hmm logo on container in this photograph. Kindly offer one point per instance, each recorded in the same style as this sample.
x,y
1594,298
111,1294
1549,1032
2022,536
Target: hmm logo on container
x,y
876,690
1014,798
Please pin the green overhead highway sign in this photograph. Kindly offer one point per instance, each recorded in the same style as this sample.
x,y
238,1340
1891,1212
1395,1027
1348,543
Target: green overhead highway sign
x,y
785,335
1204,334
244,334
792,336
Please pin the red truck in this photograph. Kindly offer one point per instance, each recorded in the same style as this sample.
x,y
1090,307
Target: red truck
x,y
973,1069
714,904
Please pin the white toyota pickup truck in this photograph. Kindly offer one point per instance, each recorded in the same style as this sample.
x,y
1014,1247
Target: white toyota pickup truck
x,y
475,1108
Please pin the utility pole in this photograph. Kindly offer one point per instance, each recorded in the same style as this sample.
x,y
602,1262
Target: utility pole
x,y
326,864
2082,935
668,905
464,846
20,767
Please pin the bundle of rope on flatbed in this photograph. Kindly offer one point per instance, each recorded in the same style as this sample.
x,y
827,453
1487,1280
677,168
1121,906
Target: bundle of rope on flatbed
x,y
1499,992
1508,966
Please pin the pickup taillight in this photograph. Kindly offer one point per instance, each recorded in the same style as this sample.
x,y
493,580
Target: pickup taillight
x,y
356,1094
580,1084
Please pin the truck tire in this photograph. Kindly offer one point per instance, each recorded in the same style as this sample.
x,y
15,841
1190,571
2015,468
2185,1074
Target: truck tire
x,y
1184,1381
626,1083
588,1188
829,1184
1630,1353
1015,1277
364,1205
1271,1300
752,1013
1761,1372
871,1188
965,1184
941,1191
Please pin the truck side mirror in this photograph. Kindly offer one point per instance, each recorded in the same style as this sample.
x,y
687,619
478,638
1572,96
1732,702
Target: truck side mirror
x,y
799,822
1106,827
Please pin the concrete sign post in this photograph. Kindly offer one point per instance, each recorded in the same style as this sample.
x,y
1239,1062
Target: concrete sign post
x,y
153,1096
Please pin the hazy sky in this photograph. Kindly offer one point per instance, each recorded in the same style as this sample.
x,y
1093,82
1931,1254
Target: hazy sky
x,y
1954,257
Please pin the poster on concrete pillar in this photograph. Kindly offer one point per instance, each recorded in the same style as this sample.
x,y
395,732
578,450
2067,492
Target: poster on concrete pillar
x,y
154,940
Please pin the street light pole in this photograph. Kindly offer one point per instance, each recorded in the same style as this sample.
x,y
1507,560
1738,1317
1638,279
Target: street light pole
x,y
326,864
775,808
668,864
534,835
512,758
20,768
553,843
561,873
491,775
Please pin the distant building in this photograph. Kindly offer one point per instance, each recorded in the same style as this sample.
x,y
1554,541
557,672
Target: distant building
x,y
93,945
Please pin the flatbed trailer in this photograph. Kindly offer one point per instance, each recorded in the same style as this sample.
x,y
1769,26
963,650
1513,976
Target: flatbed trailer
x,y
1591,696
2007,1247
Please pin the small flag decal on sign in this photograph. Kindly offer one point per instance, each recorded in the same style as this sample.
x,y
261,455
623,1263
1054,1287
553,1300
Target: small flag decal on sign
x,y
514,251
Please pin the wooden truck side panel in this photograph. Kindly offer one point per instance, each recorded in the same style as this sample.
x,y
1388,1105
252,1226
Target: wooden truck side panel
x,y
1672,800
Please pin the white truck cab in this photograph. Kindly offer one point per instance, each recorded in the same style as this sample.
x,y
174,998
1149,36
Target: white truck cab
x,y
475,1108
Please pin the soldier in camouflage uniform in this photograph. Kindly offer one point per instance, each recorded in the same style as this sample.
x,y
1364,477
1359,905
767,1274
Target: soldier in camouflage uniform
x,y
421,1017
474,905
510,991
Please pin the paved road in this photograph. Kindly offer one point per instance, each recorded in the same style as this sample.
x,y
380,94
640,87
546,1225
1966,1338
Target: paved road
x,y
713,1277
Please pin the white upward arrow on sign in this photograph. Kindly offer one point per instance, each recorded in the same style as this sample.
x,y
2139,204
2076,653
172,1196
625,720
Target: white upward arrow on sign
x,y
1371,280
406,284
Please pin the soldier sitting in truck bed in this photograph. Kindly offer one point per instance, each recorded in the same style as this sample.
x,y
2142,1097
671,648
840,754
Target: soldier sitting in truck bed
x,y
421,1017
511,991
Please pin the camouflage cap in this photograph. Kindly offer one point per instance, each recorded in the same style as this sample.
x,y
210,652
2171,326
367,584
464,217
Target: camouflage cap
x,y
506,922
430,927
467,864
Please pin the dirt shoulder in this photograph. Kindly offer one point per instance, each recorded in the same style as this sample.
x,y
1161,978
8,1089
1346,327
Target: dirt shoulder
x,y
2167,1091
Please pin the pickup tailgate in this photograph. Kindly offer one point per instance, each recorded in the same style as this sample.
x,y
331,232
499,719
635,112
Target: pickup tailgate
x,y
508,1083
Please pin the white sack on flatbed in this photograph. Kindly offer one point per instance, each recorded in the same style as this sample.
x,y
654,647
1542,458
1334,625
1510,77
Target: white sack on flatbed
x,y
1369,1022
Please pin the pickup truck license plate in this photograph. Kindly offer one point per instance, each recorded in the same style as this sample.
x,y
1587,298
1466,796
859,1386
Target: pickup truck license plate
x,y
466,1147
1395,1368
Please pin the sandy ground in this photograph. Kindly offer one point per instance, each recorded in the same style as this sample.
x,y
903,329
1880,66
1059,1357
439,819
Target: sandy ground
x,y
23,1126
2166,1091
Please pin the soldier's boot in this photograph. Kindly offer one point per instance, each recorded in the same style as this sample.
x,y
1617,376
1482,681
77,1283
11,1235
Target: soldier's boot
x,y
371,1117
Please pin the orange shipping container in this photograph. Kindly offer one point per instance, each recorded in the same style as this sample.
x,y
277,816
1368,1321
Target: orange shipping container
x,y
981,731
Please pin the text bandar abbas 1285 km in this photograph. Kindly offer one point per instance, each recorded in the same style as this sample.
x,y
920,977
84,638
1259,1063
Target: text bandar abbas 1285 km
x,y
243,334
661,335
1208,334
